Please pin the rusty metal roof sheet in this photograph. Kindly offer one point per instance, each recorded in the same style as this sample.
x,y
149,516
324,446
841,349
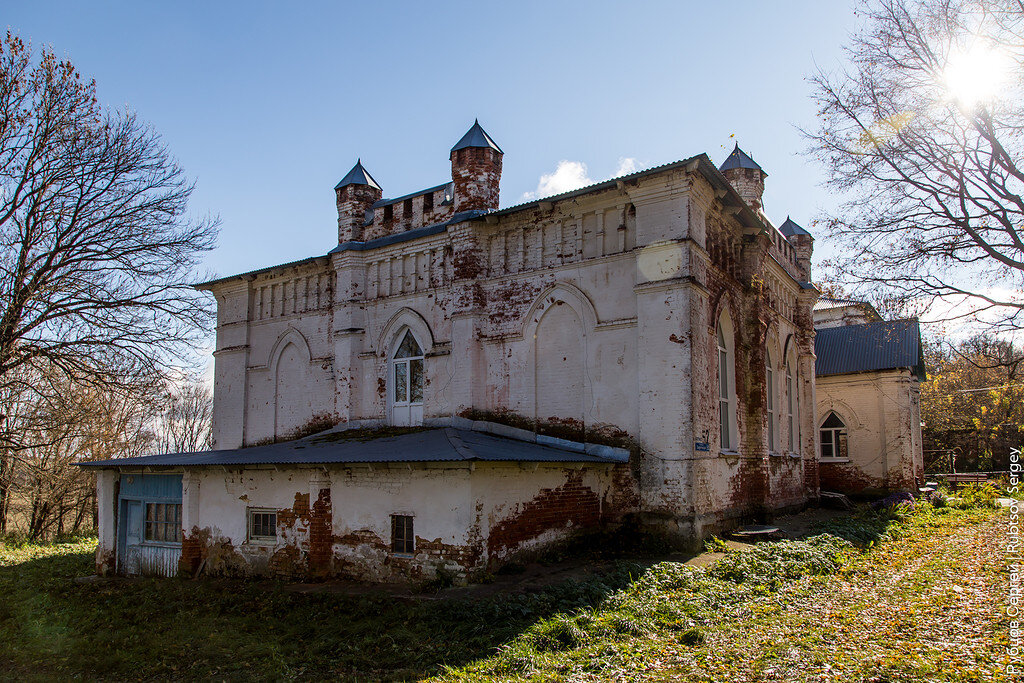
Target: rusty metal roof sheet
x,y
429,445
886,345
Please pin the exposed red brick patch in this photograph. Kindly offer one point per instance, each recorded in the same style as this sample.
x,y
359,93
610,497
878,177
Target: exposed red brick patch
x,y
571,506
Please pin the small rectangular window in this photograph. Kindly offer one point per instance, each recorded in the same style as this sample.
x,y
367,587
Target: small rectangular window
x,y
262,525
402,539
407,208
428,202
163,522
389,212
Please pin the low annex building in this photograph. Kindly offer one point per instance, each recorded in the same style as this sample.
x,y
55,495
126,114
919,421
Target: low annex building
x,y
868,373
455,384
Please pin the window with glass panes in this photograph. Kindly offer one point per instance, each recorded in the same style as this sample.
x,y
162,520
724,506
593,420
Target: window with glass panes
x,y
262,525
769,374
402,539
724,413
163,522
407,372
833,438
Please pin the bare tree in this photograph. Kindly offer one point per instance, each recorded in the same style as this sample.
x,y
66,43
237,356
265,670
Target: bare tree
x,y
185,417
96,250
921,136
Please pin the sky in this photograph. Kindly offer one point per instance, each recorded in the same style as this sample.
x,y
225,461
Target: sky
x,y
267,105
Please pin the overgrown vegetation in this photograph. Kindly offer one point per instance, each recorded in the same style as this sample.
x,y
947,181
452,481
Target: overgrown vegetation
x,y
616,623
691,623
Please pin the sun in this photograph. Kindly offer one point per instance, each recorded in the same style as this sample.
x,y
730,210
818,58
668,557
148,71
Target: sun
x,y
976,75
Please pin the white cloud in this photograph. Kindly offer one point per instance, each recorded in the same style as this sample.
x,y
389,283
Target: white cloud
x,y
572,175
568,175
626,166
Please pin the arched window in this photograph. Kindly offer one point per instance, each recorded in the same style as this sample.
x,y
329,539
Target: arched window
x,y
726,386
833,438
769,376
406,378
792,407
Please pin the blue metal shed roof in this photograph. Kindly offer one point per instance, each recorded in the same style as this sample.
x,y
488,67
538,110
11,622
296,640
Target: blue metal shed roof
x,y
739,159
476,137
431,445
886,345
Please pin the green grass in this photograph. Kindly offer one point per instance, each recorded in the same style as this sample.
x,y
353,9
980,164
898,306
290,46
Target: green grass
x,y
905,596
52,627
869,600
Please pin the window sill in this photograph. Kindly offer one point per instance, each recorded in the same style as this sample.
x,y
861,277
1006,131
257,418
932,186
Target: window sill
x,y
262,542
160,544
408,556
729,453
773,454
834,460
795,456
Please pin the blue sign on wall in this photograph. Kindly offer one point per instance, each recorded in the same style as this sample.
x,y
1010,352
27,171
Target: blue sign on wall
x,y
702,446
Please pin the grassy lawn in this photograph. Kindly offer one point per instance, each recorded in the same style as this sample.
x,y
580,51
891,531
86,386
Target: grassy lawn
x,y
923,603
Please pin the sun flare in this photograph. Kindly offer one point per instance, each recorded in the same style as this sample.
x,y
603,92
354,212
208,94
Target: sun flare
x,y
976,75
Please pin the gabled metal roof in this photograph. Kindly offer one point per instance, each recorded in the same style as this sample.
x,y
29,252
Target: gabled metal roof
x,y
476,137
429,445
358,176
384,202
790,228
886,345
739,159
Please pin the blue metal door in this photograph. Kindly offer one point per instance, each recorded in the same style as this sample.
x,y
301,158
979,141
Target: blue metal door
x,y
132,547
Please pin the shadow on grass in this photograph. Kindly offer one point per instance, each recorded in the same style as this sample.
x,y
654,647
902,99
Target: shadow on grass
x,y
51,626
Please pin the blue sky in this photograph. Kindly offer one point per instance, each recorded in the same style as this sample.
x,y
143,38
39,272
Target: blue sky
x,y
267,104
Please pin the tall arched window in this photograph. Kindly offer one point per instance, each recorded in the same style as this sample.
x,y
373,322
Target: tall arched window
x,y
792,407
769,375
726,386
406,378
833,438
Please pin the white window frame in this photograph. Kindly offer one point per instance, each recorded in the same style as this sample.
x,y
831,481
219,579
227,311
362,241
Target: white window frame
x,y
836,435
728,438
792,406
770,406
259,539
394,363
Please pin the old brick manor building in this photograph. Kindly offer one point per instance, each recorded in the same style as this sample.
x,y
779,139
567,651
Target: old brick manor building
x,y
641,349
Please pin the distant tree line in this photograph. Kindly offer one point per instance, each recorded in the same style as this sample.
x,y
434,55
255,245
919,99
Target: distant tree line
x,y
972,404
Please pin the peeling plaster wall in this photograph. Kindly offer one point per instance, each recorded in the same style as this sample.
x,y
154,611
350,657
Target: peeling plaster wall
x,y
336,521
882,413
639,272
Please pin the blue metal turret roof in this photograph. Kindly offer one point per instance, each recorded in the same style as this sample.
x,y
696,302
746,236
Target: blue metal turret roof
x,y
358,176
739,159
476,137
790,228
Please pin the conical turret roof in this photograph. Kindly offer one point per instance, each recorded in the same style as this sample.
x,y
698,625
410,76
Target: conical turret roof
x,y
358,176
739,159
790,228
477,137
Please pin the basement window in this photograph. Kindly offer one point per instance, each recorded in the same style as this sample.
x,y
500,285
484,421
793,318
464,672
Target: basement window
x,y
402,539
163,522
262,525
